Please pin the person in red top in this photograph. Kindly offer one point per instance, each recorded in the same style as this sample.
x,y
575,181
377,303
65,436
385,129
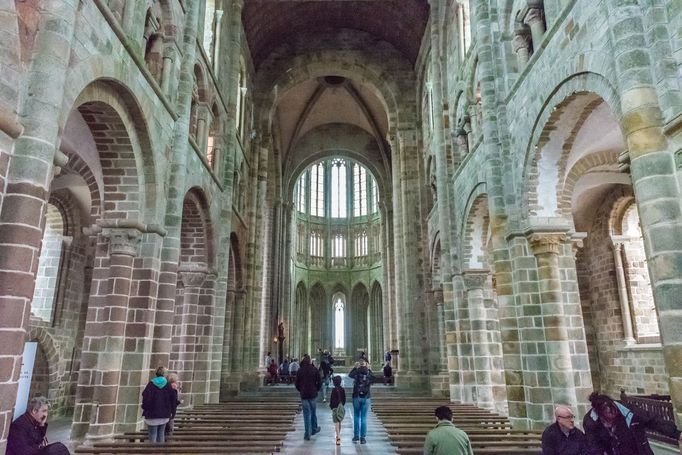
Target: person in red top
x,y
272,371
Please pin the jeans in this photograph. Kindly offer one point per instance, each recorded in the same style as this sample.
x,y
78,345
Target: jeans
x,y
323,389
309,416
157,433
360,408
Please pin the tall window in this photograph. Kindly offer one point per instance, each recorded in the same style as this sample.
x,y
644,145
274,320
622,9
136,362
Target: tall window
x,y
316,244
339,246
317,190
338,189
374,208
301,190
359,190
339,323
361,244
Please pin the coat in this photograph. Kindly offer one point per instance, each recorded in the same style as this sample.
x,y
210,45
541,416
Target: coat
x,y
630,432
159,400
447,439
26,437
308,381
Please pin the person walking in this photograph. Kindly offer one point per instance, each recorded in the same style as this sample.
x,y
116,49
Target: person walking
x,y
614,429
388,373
337,402
175,390
363,378
446,438
27,434
159,403
562,437
308,384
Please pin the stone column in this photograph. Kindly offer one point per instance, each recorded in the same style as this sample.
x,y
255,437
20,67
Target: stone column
x,y
170,253
535,19
626,314
521,47
167,72
440,319
188,332
654,179
103,348
559,372
26,189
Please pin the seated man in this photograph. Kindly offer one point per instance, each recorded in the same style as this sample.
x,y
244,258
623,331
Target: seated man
x,y
446,438
27,433
562,437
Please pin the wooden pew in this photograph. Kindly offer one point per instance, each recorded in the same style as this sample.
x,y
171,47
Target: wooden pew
x,y
252,425
408,420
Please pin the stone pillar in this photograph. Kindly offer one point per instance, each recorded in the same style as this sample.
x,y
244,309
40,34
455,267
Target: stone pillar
x,y
167,72
535,19
654,179
188,332
26,189
559,372
216,42
442,347
626,314
97,397
521,46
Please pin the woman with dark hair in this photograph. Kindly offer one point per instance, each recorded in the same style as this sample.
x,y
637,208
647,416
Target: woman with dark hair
x,y
614,429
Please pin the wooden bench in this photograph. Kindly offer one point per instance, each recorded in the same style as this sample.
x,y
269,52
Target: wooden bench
x,y
408,420
252,425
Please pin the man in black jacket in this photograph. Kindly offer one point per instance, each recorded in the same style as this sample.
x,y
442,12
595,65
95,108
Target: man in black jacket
x,y
614,429
27,432
562,437
308,384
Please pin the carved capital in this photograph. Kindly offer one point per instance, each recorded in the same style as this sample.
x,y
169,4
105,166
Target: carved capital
x,y
534,16
521,40
547,242
192,275
475,278
122,241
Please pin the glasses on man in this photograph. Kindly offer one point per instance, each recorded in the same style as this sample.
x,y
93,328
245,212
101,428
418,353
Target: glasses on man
x,y
569,417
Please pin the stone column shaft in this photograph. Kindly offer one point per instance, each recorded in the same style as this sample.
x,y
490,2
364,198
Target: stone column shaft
x,y
654,178
623,293
26,188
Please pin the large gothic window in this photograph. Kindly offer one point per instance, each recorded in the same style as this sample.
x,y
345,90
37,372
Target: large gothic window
x,y
338,189
339,321
359,190
316,190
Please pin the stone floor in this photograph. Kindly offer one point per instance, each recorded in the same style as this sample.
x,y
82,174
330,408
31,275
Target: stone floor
x,y
325,442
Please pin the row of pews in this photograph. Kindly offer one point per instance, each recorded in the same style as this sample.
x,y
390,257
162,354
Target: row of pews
x,y
408,419
242,425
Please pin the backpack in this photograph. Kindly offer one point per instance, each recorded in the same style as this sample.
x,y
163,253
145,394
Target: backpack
x,y
362,385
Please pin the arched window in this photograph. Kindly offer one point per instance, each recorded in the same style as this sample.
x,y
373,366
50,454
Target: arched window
x,y
316,244
359,190
241,103
361,244
374,205
339,246
317,190
300,193
338,189
339,303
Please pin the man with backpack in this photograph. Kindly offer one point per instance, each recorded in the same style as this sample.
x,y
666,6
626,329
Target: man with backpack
x,y
363,378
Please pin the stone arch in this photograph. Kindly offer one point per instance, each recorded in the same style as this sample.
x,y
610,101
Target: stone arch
x,y
235,279
120,134
475,230
376,322
544,173
357,329
50,349
196,234
436,277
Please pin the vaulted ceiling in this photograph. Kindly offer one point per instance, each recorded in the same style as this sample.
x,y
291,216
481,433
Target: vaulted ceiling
x,y
270,23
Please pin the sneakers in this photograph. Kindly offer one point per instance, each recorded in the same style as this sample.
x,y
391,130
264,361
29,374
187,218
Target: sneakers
x,y
355,439
306,438
316,430
363,441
